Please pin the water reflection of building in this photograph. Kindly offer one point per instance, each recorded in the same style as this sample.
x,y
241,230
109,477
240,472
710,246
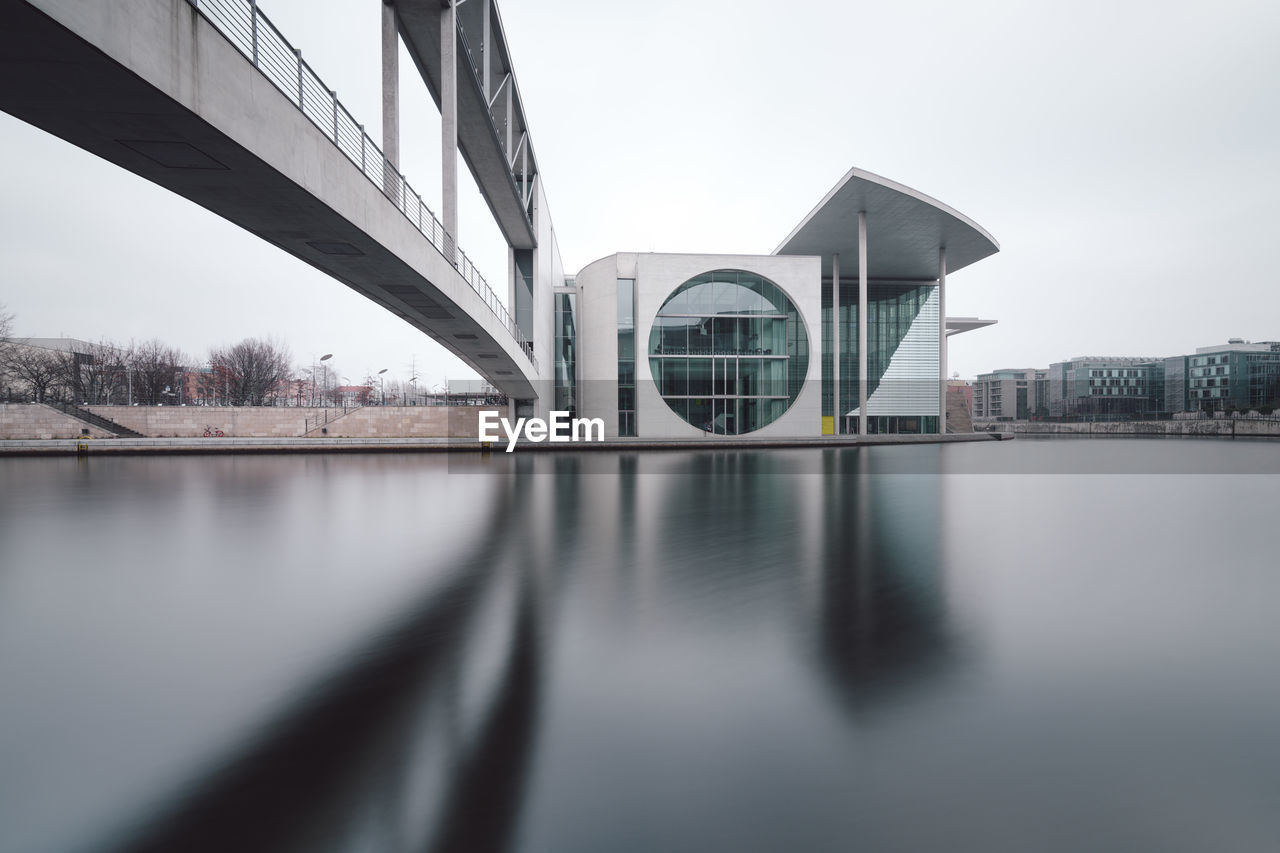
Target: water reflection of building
x,y
881,617
838,549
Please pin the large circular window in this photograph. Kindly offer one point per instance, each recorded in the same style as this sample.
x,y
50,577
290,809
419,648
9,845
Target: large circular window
x,y
728,352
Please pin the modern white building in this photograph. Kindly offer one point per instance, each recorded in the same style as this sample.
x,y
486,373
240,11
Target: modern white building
x,y
675,346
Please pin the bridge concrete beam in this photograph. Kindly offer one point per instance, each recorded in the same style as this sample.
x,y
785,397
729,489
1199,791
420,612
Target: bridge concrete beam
x,y
153,87
390,86
449,116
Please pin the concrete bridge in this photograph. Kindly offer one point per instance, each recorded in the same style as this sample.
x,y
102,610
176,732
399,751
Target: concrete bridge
x,y
207,99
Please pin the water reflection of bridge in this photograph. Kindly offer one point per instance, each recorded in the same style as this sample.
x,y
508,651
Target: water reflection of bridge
x,y
420,740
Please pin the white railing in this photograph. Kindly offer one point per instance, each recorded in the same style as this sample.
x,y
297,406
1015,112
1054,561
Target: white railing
x,y
252,33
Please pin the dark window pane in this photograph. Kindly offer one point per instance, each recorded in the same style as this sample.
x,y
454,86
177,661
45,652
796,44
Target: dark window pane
x,y
700,377
674,376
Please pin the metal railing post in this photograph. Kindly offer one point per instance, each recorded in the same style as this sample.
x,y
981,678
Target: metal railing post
x,y
362,139
333,94
253,15
298,53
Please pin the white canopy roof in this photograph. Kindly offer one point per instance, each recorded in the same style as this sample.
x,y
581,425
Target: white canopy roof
x,y
905,230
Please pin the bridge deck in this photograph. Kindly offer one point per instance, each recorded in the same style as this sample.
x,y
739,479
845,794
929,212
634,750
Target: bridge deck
x,y
155,88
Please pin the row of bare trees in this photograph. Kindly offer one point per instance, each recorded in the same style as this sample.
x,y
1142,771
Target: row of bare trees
x,y
253,372
149,372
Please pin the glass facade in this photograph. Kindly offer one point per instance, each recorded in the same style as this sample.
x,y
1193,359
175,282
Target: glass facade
x,y
524,292
728,352
1116,386
626,356
1240,379
900,425
893,311
566,345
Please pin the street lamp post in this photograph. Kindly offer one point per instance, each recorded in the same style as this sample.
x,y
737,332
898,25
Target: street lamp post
x,y
382,385
324,385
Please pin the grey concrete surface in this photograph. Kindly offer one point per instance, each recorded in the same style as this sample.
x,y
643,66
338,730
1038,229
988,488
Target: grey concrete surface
x,y
95,447
906,228
153,87
1225,427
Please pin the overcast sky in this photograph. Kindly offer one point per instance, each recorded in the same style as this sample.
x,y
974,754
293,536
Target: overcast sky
x,y
1124,154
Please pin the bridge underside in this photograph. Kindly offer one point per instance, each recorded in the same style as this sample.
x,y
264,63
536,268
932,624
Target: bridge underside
x,y
152,87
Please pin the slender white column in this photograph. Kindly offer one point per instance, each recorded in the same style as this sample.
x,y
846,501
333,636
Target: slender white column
x,y
942,337
485,46
390,93
835,342
862,322
449,121
510,124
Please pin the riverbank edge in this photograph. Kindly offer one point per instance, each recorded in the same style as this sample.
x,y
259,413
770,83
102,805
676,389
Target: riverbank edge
x,y
214,446
1205,428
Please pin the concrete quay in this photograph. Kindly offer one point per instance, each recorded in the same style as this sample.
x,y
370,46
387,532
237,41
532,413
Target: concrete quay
x,y
213,446
1220,427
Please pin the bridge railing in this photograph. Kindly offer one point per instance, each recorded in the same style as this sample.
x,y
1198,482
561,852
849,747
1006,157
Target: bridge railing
x,y
253,34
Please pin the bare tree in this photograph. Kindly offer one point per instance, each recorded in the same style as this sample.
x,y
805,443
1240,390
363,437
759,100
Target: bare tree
x,y
40,370
35,371
252,371
103,373
210,389
6,330
91,373
371,395
70,384
157,371
297,385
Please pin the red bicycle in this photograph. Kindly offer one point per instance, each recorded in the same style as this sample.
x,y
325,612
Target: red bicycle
x,y
210,432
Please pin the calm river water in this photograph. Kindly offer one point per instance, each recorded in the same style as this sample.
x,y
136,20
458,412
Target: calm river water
x,y
1049,645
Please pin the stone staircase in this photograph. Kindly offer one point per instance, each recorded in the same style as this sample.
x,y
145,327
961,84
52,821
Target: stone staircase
x,y
120,430
319,424
959,418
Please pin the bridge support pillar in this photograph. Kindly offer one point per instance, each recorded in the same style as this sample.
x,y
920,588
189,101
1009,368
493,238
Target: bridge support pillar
x,y
390,93
449,123
942,338
862,322
838,420
486,45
